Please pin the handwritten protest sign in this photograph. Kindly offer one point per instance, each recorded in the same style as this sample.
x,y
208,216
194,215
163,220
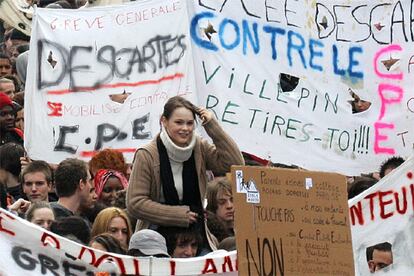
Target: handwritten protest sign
x,y
28,249
100,77
325,85
291,227
382,224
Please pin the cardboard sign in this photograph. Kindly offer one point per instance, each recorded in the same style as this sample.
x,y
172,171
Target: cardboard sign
x,y
382,224
295,224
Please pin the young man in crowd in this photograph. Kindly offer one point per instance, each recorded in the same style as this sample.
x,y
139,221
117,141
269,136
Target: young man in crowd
x,y
182,242
36,181
73,187
8,132
390,164
220,202
7,87
379,256
5,65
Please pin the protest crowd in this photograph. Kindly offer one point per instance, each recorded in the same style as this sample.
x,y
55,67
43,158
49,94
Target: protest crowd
x,y
173,201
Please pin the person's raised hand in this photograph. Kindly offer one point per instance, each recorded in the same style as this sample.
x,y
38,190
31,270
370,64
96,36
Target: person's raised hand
x,y
24,161
20,206
205,115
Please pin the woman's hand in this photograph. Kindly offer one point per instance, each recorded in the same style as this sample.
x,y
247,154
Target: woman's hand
x,y
192,216
205,115
20,206
25,161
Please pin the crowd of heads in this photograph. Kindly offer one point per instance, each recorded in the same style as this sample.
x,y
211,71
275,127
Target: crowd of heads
x,y
61,199
77,190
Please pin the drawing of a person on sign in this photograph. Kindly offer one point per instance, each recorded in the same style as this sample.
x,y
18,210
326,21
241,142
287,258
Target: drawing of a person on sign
x,y
240,182
253,195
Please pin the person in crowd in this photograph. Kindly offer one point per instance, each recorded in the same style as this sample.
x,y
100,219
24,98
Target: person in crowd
x,y
73,228
220,202
21,67
217,227
379,256
10,155
359,185
16,51
5,65
147,242
89,209
108,184
18,103
168,179
16,83
114,221
108,159
390,164
182,242
228,244
8,131
73,187
19,122
40,213
8,87
19,98
4,197
13,40
106,242
36,179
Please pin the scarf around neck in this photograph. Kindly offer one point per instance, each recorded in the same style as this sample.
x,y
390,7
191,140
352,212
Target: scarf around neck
x,y
191,191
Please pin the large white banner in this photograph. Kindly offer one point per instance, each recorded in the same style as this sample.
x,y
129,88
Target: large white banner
x,y
325,85
99,77
282,77
382,225
27,249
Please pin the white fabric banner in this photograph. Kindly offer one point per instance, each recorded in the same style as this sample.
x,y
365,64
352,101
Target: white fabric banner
x,y
324,85
281,76
27,249
383,215
99,77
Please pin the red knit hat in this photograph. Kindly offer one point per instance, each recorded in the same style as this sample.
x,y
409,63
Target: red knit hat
x,y
5,100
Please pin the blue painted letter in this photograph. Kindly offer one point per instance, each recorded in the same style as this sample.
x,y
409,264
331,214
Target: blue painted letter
x,y
273,31
298,47
236,28
194,34
313,44
353,62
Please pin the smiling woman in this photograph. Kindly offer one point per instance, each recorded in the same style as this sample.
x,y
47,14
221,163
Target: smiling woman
x,y
114,221
168,180
107,185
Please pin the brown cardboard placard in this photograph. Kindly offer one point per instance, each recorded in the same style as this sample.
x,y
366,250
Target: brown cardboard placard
x,y
298,224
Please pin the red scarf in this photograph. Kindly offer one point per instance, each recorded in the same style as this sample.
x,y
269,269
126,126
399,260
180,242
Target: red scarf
x,y
103,175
